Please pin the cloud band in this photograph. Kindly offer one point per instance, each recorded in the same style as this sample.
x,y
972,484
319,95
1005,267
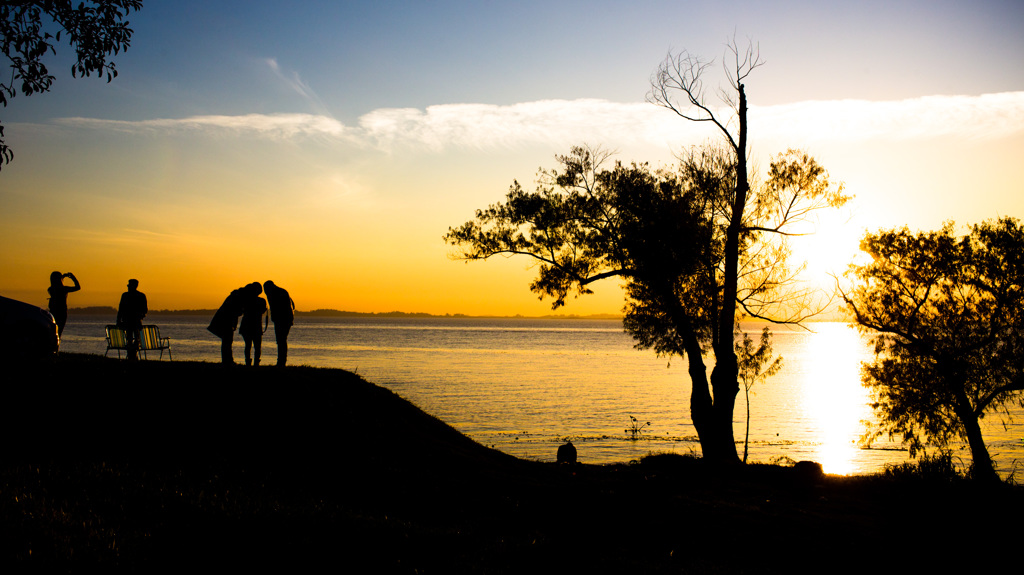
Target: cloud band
x,y
566,122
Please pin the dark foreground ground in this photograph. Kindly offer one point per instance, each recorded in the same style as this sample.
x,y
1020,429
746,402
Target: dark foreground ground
x,y
171,466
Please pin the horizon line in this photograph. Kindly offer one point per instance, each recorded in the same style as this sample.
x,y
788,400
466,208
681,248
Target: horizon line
x,y
330,312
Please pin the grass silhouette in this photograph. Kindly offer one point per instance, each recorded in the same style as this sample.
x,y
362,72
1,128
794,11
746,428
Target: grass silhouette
x,y
158,466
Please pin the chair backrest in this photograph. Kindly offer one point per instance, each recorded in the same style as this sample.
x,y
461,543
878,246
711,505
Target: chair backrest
x,y
150,336
115,337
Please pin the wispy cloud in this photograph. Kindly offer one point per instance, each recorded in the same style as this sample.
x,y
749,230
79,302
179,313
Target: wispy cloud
x,y
126,237
567,122
293,81
276,126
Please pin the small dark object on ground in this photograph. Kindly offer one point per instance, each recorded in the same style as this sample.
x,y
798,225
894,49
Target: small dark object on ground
x,y
808,470
566,453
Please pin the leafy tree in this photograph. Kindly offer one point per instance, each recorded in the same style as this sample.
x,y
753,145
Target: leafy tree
x,y
678,85
948,317
664,233
697,247
751,366
30,28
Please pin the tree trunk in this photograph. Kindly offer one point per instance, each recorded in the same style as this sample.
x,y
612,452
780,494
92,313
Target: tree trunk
x,y
721,445
746,436
982,469
701,406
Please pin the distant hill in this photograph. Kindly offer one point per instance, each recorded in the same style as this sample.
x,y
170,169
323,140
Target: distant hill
x,y
340,313
107,310
111,311
94,310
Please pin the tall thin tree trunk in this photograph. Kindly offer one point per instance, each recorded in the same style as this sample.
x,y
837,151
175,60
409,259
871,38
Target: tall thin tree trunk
x,y
724,385
746,437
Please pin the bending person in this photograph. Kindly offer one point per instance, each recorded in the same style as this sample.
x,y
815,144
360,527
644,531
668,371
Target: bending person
x,y
282,313
58,303
225,321
130,313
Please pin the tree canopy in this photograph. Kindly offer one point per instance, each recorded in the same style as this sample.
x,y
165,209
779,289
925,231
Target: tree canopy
x,y
29,29
698,247
664,233
947,315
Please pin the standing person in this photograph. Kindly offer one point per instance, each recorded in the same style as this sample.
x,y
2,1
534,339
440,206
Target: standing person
x,y
252,322
130,313
282,313
58,303
225,321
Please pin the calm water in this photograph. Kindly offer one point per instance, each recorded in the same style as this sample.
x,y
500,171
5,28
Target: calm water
x,y
525,385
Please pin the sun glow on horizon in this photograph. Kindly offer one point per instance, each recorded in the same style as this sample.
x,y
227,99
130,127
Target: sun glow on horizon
x,y
198,212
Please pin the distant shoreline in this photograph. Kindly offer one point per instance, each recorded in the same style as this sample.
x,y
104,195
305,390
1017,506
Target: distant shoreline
x,y
107,310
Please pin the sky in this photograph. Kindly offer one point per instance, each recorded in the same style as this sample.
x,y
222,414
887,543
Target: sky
x,y
329,146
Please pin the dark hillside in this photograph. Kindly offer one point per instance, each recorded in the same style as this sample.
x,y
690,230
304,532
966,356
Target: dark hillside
x,y
160,465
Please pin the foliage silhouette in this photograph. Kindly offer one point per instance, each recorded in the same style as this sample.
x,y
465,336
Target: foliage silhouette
x,y
95,29
666,234
929,467
947,314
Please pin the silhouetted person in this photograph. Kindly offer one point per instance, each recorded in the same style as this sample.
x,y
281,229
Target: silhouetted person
x,y
225,321
282,313
252,322
58,304
130,313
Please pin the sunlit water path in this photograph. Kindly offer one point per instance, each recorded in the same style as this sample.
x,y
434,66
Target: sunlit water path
x,y
524,385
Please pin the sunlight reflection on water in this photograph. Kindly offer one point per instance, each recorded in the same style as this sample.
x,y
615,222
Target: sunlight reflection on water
x,y
833,396
524,385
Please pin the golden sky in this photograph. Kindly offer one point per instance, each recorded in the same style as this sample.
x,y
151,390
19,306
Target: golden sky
x,y
280,164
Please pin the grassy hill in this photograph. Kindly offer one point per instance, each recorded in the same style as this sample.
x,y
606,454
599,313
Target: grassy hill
x,y
160,466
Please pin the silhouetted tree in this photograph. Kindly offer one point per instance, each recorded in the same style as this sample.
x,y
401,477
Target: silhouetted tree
x,y
750,364
666,234
30,28
678,86
948,317
698,249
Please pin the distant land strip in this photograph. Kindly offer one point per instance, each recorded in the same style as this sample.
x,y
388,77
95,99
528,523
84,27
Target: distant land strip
x,y
107,310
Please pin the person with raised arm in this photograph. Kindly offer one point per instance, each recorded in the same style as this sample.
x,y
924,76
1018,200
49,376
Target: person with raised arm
x,y
58,304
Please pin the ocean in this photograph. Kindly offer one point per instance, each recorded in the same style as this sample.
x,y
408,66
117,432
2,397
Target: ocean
x,y
524,386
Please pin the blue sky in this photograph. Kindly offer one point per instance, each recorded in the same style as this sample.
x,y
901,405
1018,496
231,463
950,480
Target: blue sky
x,y
191,57
331,144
